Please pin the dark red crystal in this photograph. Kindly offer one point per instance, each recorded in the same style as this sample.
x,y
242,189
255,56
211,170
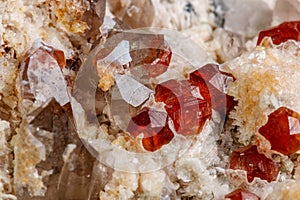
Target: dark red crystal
x,y
283,130
241,194
162,58
154,125
255,164
282,32
210,77
185,104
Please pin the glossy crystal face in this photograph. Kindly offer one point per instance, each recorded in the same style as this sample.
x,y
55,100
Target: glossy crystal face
x,y
241,194
283,131
282,32
255,164
154,127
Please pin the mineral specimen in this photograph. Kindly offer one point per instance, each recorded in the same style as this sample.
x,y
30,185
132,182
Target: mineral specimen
x,y
241,194
282,32
283,130
254,163
134,121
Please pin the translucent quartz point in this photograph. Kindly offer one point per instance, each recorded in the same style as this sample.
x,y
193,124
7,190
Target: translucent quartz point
x,y
42,75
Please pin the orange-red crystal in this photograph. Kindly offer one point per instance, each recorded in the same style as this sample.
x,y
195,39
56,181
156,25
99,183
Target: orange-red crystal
x,y
255,164
283,131
154,125
185,104
282,32
241,194
210,77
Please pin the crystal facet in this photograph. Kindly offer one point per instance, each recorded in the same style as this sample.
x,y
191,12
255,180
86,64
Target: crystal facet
x,y
209,76
282,32
283,130
149,51
186,105
255,164
154,125
241,194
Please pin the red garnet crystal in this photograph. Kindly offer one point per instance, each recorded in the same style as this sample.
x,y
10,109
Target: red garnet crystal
x,y
281,33
186,104
241,194
158,59
154,125
283,130
255,164
209,76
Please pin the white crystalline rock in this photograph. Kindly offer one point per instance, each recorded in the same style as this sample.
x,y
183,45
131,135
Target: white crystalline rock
x,y
46,79
28,151
5,182
152,183
247,18
7,76
122,186
181,15
193,18
22,22
194,168
286,190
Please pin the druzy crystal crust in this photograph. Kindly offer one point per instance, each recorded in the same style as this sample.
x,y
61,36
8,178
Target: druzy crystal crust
x,y
283,130
254,163
241,194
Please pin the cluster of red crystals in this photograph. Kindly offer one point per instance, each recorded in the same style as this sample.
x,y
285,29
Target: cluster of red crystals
x,y
188,103
216,81
283,130
241,194
255,164
282,33
154,125
187,106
